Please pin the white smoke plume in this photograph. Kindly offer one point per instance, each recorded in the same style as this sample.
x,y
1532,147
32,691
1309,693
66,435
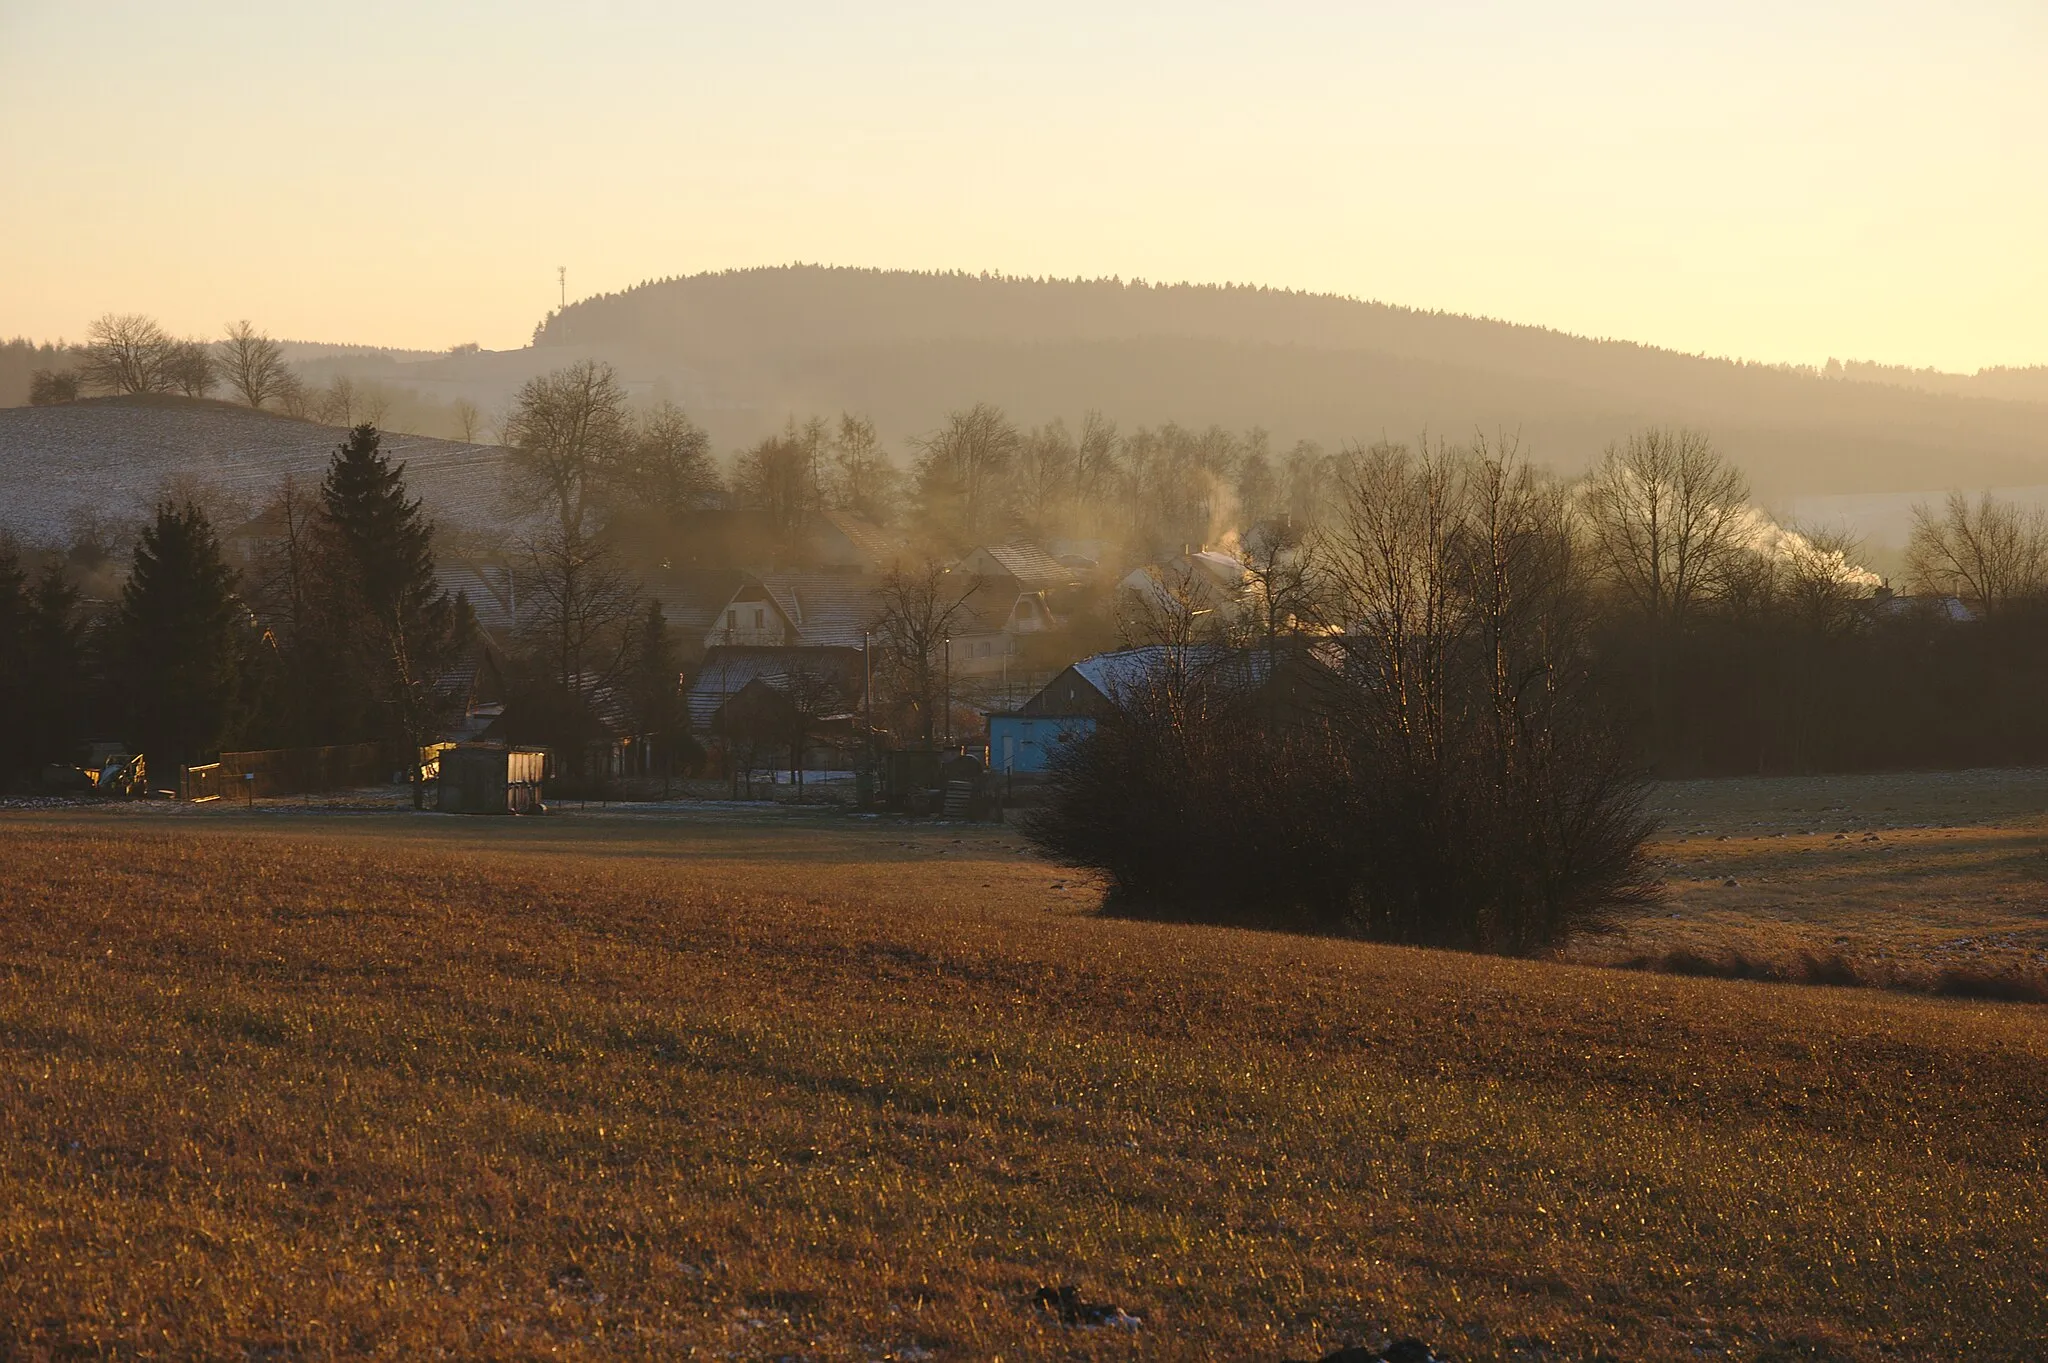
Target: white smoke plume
x,y
1763,536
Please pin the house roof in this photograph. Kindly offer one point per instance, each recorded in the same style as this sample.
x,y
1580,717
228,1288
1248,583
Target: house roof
x,y
692,598
871,541
1029,564
490,589
1120,673
829,610
727,669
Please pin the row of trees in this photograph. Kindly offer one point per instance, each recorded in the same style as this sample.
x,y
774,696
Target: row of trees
x,y
1429,722
579,449
131,354
128,353
342,634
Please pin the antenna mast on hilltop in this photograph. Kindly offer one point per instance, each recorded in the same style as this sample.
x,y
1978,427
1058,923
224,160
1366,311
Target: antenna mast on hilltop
x,y
562,278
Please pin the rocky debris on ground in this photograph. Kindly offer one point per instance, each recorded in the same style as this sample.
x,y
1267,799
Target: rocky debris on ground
x,y
1400,1351
1064,1304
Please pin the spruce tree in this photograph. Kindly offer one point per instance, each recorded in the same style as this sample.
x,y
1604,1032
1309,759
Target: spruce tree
x,y
179,640
408,631
13,666
55,676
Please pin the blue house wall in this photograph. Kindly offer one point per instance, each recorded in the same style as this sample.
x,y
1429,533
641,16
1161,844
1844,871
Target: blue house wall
x,y
1024,743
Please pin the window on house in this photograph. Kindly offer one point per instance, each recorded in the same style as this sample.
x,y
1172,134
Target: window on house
x,y
732,619
760,617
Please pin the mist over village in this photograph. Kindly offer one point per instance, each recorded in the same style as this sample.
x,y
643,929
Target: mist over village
x,y
1274,683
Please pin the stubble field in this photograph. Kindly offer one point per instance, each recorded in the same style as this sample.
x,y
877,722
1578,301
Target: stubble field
x,y
307,1086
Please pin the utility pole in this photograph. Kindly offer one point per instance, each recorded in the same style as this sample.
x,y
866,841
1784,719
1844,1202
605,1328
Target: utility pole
x,y
949,690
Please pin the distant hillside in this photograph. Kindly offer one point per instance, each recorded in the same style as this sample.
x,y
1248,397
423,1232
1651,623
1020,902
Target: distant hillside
x,y
749,347
744,350
109,459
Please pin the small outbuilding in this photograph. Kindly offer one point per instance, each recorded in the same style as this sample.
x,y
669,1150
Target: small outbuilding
x,y
491,778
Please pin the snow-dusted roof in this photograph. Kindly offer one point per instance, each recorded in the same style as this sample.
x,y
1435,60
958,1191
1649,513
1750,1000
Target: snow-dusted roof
x,y
693,598
871,541
829,610
727,669
1028,563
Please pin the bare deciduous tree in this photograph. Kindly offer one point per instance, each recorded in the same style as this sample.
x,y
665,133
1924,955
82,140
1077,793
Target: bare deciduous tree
x,y
963,474
566,431
780,476
469,421
1991,555
1047,464
49,387
1666,516
190,369
127,353
864,480
666,465
1668,525
252,364
1283,580
916,617
583,611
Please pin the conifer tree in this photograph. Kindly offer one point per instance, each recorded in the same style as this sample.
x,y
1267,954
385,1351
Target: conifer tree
x,y
179,640
408,631
13,665
54,675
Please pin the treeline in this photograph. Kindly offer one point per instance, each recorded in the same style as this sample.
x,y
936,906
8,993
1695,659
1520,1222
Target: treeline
x,y
341,633
128,354
1429,720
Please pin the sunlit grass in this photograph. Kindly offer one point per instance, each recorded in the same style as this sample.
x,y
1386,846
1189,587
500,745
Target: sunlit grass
x,y
305,1095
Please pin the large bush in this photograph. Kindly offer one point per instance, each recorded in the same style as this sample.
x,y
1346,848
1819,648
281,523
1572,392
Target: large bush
x,y
1436,768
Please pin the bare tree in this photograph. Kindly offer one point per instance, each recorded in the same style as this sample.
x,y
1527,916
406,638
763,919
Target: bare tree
x,y
1047,464
1394,554
1095,459
780,476
1991,555
340,404
666,465
1822,584
252,364
1668,525
127,353
294,399
566,431
469,421
963,474
916,618
863,479
49,387
810,694
1283,580
190,369
583,611
1666,515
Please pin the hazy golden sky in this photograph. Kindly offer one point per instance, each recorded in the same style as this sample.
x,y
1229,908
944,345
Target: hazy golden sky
x,y
1785,181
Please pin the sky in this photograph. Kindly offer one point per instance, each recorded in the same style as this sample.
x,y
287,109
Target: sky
x,y
1780,181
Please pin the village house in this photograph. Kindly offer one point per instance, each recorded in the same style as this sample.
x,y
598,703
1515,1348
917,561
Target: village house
x,y
1067,708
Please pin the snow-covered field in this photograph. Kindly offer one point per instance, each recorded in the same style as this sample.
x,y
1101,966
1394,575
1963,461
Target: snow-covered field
x,y
111,459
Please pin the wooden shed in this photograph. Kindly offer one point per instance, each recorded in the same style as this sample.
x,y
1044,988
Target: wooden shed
x,y
490,778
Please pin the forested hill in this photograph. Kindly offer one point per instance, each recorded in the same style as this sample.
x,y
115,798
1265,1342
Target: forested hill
x,y
750,347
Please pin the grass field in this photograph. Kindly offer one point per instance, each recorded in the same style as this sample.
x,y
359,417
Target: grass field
x,y
306,1086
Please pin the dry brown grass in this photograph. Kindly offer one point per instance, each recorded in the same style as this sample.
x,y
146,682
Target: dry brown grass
x,y
1904,877
319,1087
